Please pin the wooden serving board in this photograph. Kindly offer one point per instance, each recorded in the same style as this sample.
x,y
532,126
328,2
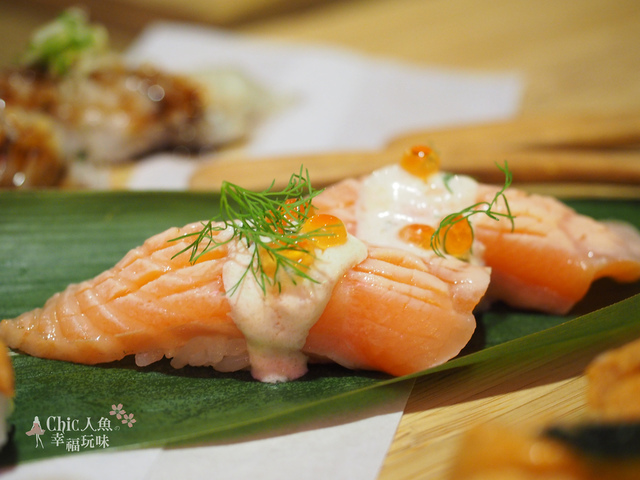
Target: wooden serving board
x,y
579,150
429,435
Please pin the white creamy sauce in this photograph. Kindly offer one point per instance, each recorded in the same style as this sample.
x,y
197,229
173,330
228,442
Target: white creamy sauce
x,y
391,198
276,324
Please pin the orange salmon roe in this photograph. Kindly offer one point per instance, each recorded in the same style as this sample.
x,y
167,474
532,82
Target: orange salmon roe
x,y
457,238
291,214
303,257
267,263
298,212
417,234
420,161
327,231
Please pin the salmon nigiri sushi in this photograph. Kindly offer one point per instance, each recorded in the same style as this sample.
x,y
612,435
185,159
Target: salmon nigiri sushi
x,y
543,255
320,294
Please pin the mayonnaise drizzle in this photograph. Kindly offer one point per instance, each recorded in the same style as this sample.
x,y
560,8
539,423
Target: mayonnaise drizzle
x,y
391,198
276,324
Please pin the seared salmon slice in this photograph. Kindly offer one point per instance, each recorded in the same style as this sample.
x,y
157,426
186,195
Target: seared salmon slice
x,y
394,312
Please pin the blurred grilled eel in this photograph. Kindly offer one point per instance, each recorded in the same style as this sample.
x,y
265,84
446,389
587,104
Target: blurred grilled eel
x,y
99,110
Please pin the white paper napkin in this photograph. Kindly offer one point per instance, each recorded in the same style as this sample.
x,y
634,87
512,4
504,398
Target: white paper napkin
x,y
341,101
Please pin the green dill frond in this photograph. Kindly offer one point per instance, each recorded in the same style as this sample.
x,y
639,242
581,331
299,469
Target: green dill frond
x,y
446,179
487,208
268,223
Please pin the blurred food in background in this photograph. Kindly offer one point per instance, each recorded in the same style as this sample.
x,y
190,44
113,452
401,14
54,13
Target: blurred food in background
x,y
604,445
73,103
30,153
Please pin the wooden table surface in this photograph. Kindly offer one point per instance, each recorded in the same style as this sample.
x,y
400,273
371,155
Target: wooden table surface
x,y
574,57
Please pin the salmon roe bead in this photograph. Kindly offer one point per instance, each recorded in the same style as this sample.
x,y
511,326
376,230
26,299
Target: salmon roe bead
x,y
297,213
457,238
417,234
321,231
291,214
267,263
420,161
303,257
327,231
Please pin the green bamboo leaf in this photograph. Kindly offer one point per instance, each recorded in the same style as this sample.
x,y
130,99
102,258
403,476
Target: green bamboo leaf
x,y
50,239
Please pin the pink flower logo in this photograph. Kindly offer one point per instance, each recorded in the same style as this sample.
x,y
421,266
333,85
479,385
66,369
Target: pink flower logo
x,y
117,411
129,420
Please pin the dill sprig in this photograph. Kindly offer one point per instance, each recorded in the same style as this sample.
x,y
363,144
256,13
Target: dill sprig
x,y
446,179
267,222
438,240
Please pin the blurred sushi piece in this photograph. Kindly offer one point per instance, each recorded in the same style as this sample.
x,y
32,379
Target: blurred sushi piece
x,y
614,383
494,451
103,111
605,445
